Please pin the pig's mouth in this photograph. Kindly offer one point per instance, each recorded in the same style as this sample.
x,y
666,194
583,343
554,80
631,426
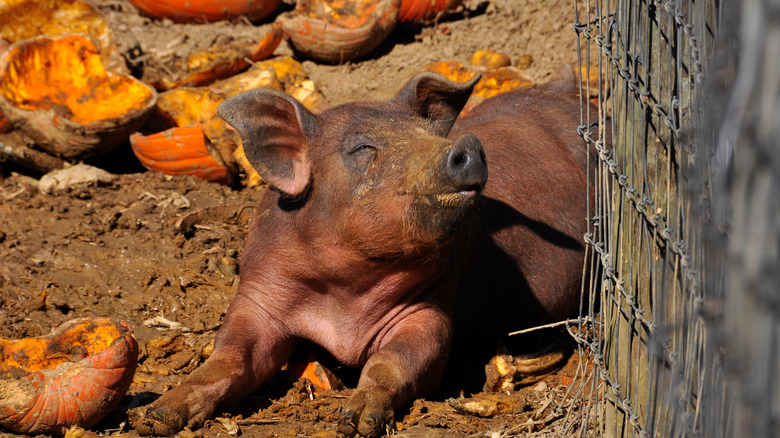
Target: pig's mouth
x,y
452,199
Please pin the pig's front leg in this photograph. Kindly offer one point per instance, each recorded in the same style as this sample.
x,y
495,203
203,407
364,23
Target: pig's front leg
x,y
408,364
249,348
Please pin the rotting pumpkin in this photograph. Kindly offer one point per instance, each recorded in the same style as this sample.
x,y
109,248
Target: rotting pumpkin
x,y
339,30
59,94
425,10
188,11
189,106
181,150
23,19
74,376
204,66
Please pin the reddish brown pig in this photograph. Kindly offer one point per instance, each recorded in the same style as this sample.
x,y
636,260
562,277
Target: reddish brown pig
x,y
379,214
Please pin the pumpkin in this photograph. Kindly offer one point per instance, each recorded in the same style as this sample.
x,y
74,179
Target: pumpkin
x,y
71,377
339,30
425,10
58,93
321,378
23,19
493,81
187,11
5,126
490,59
204,66
182,150
197,105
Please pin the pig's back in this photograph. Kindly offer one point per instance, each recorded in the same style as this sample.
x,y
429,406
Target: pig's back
x,y
524,265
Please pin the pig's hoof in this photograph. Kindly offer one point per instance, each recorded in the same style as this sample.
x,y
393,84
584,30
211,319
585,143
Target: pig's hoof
x,y
161,420
368,413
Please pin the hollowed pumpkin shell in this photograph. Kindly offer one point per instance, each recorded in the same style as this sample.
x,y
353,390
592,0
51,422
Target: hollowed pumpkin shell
x,y
339,30
74,376
183,150
188,11
58,93
425,10
23,19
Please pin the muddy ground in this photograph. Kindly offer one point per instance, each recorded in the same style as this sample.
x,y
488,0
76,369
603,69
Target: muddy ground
x,y
162,252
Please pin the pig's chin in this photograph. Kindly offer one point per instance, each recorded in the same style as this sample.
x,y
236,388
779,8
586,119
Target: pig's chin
x,y
439,216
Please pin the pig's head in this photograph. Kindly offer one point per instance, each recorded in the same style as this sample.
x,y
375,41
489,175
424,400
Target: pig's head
x,y
380,177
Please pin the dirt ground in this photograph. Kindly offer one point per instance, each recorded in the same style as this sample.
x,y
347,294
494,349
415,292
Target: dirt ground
x,y
162,252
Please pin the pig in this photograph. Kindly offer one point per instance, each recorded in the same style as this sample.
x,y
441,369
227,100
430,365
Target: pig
x,y
381,239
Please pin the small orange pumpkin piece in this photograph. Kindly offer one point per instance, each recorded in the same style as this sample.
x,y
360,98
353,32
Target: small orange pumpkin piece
x,y
189,11
183,150
219,61
58,93
74,376
425,10
490,59
339,30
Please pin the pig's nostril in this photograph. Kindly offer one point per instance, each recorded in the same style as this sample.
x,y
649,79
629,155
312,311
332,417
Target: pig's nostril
x,y
459,159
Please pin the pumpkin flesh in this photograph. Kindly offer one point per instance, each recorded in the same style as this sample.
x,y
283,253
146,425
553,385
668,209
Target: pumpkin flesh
x,y
69,77
74,376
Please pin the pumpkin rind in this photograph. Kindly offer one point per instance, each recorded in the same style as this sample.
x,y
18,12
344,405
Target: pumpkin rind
x,y
188,11
183,150
74,376
425,10
327,30
216,62
58,93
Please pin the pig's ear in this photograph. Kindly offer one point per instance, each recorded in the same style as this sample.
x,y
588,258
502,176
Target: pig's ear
x,y
436,98
274,130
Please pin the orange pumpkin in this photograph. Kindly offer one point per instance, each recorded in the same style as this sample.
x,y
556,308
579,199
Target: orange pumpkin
x,y
490,59
58,93
23,19
4,125
321,378
74,376
493,81
339,30
216,62
425,10
183,150
188,11
197,105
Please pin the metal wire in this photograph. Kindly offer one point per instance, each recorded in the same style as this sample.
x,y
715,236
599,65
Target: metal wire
x,y
656,345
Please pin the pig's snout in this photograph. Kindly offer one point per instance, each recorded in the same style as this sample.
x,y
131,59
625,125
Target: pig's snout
x,y
465,163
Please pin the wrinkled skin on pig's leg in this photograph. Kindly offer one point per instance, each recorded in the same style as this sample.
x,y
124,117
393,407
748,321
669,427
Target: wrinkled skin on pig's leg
x,y
408,364
248,350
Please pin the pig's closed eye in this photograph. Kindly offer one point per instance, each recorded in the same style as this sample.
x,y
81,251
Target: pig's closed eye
x,y
363,148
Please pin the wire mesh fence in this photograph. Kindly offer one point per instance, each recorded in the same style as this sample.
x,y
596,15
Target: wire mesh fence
x,y
683,274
